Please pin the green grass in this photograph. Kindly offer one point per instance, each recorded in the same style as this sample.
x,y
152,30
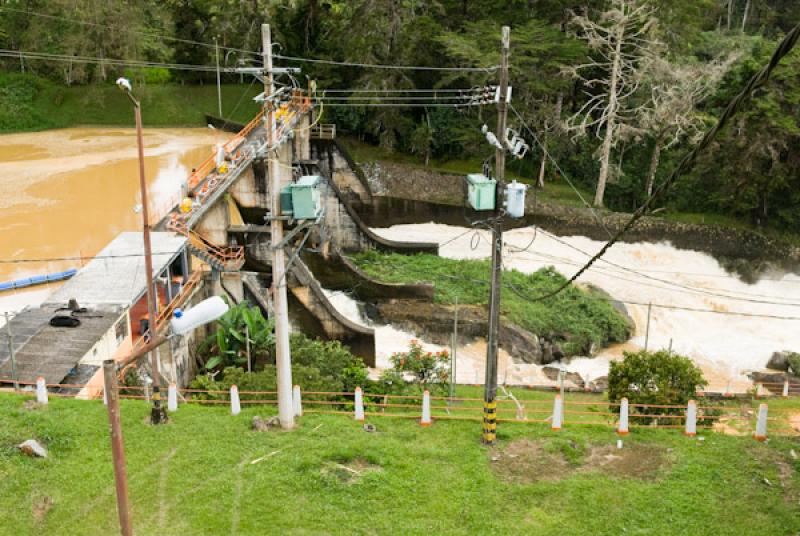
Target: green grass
x,y
193,476
577,316
29,103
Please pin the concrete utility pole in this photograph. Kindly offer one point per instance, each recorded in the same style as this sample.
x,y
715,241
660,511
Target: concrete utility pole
x,y
117,448
283,358
490,382
219,87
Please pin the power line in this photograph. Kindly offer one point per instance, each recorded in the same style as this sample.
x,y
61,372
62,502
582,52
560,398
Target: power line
x,y
384,66
110,61
414,90
126,30
758,80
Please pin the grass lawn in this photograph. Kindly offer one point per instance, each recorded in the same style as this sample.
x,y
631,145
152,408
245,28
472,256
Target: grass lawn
x,y
194,476
576,316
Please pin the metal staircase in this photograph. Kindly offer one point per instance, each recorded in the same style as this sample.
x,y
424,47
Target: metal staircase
x,y
221,258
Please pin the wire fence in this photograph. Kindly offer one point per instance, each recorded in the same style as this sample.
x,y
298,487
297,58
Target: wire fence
x,y
575,409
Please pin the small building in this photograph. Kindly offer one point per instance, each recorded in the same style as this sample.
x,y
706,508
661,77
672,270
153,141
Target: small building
x,y
101,313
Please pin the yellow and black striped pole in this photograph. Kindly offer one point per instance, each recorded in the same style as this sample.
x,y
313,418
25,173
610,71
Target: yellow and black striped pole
x,y
489,422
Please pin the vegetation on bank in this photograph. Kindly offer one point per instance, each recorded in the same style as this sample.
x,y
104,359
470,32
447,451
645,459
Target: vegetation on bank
x,y
577,318
34,103
196,475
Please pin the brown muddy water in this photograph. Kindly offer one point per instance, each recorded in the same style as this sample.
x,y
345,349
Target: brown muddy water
x,y
67,193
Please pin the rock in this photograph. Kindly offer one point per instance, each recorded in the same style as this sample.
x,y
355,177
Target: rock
x,y
521,344
32,448
573,377
779,361
370,428
264,425
599,384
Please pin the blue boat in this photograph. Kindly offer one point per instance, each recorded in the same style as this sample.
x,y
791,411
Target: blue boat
x,y
37,280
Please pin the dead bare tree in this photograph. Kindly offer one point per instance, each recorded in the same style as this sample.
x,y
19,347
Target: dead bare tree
x,y
619,39
676,89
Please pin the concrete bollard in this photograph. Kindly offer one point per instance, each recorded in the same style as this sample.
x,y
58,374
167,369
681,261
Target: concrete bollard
x,y
172,397
558,413
297,401
759,390
426,409
41,391
359,409
236,407
786,388
623,429
761,424
146,390
105,395
691,419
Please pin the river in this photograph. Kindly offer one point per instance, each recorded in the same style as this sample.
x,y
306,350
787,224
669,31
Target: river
x,y
67,193
693,300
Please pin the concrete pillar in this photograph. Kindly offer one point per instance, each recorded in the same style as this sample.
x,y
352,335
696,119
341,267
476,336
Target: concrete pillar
x,y
558,413
297,401
359,405
623,429
172,397
691,419
236,407
761,423
786,388
41,391
426,409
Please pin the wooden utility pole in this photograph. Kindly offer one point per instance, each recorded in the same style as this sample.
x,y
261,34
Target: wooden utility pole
x,y
219,86
117,448
283,358
11,353
490,382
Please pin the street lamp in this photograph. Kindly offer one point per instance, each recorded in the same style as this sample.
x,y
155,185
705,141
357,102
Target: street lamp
x,y
158,414
203,313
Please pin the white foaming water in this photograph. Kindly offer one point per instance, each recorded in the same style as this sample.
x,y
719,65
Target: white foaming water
x,y
725,346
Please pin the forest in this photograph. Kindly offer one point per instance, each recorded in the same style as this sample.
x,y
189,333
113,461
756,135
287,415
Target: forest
x,y
613,91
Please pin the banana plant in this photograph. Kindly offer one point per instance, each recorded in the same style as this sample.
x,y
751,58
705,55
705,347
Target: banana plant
x,y
228,345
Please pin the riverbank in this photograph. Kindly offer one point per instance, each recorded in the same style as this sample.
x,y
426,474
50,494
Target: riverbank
x,y
396,178
31,103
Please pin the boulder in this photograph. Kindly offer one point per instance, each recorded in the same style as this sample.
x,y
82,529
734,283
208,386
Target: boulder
x,y
521,344
573,377
599,384
779,360
32,448
264,425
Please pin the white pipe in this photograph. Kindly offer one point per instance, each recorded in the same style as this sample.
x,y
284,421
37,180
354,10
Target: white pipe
x,y
558,413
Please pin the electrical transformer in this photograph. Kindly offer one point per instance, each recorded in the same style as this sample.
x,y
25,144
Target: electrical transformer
x,y
515,199
481,191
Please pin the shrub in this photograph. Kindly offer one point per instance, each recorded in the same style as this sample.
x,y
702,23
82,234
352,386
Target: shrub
x,y
428,369
659,378
794,364
227,346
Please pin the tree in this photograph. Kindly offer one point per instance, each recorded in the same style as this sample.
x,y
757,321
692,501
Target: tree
x,y
228,345
658,378
671,113
619,40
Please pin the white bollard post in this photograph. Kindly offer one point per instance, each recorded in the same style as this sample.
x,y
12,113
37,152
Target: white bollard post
x,y
558,413
105,395
759,390
41,391
623,429
359,409
761,423
297,401
691,419
172,397
236,407
786,388
426,409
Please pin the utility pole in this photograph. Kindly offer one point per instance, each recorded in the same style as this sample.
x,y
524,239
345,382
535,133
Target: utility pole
x,y
157,414
490,383
117,448
283,358
11,353
647,330
219,88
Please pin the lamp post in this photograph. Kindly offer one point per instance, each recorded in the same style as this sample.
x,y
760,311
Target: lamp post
x,y
158,414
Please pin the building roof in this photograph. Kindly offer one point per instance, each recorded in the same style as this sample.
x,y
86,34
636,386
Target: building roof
x,y
51,352
116,277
